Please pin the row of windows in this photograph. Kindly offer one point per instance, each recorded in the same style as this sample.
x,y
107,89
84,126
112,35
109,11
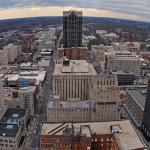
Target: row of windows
x,y
6,145
7,141
108,82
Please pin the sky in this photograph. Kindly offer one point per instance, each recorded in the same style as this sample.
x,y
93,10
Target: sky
x,y
125,9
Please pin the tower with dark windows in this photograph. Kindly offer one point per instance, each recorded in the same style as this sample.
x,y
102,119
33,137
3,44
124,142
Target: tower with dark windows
x,y
72,29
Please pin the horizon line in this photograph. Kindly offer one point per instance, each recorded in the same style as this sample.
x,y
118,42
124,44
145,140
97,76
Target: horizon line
x,y
132,20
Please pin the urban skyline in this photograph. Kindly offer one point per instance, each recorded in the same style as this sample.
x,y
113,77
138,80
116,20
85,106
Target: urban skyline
x,y
132,10
74,84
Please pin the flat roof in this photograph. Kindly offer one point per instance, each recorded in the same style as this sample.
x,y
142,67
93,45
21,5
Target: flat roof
x,y
121,72
139,95
12,77
71,104
28,89
9,122
44,62
76,67
38,75
127,139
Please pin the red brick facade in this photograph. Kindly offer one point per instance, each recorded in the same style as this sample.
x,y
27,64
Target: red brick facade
x,y
64,142
72,53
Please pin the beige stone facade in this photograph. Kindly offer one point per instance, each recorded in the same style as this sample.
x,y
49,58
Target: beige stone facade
x,y
68,111
105,98
103,103
72,81
123,61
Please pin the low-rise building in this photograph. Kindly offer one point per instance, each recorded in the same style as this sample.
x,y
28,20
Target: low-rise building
x,y
110,36
115,135
13,128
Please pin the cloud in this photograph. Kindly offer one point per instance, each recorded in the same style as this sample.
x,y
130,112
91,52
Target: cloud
x,y
137,8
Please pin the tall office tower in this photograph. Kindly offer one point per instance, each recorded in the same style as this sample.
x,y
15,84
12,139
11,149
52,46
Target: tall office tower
x,y
146,115
72,29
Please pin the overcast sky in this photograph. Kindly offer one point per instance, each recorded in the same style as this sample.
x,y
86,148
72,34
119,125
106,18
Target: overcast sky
x,y
126,9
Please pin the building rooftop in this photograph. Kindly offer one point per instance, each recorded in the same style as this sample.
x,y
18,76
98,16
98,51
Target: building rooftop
x,y
70,104
76,67
139,95
37,75
28,89
44,63
67,13
127,137
9,125
121,72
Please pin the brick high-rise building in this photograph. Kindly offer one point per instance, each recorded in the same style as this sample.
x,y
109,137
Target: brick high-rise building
x,y
72,29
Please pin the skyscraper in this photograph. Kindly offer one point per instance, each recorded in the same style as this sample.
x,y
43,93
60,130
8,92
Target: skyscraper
x,y
146,115
72,29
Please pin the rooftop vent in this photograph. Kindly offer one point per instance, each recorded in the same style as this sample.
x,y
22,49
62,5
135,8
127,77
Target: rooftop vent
x,y
116,129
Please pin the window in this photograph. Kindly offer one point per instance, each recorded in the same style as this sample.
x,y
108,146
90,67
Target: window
x,y
10,141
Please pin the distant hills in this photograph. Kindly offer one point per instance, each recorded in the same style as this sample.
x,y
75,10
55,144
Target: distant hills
x,y
35,21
